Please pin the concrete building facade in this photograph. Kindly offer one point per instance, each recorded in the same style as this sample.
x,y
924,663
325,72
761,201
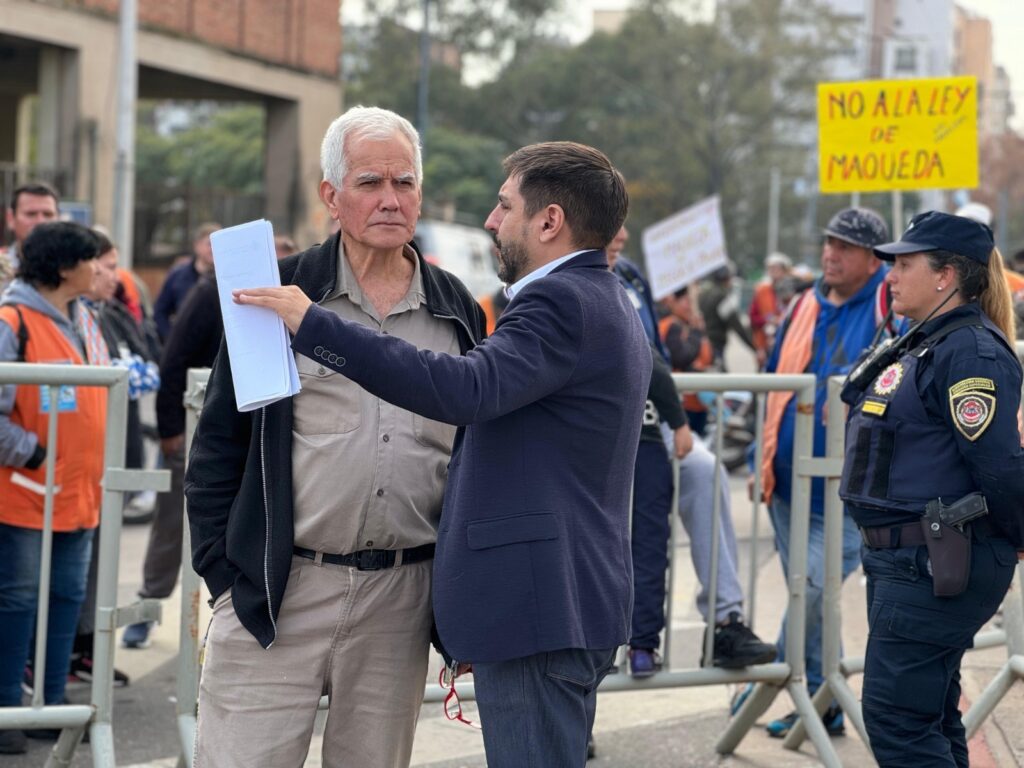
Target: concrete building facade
x,y
281,53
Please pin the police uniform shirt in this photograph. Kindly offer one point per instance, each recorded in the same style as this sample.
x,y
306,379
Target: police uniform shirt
x,y
969,385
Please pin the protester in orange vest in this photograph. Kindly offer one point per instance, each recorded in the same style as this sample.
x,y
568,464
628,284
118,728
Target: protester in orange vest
x,y
765,308
42,321
688,347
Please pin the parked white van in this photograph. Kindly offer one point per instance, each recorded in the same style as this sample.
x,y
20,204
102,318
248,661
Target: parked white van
x,y
466,252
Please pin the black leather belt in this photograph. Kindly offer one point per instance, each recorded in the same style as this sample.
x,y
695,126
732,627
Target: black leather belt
x,y
369,559
893,536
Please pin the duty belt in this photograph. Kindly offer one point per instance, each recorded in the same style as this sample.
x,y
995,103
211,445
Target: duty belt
x,y
892,536
911,535
370,559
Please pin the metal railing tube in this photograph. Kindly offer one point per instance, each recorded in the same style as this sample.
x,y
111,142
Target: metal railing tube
x,y
191,584
756,508
46,557
104,642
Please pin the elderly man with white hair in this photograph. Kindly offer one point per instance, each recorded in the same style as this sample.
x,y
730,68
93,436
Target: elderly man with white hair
x,y
314,519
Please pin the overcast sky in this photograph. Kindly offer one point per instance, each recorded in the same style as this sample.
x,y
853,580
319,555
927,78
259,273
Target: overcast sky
x,y
1007,18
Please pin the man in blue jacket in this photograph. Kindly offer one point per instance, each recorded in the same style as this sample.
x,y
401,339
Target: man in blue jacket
x,y
532,570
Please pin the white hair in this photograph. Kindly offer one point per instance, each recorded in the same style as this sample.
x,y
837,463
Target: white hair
x,y
371,123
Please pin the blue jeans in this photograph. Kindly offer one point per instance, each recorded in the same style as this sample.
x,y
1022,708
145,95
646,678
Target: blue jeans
x,y
537,711
780,513
20,554
911,694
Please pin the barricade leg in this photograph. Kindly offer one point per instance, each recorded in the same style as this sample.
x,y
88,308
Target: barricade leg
x,y
796,616
716,532
1013,669
751,602
188,656
757,704
835,684
188,635
64,749
816,729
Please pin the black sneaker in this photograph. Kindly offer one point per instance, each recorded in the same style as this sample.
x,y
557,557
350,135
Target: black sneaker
x,y
13,743
81,671
737,646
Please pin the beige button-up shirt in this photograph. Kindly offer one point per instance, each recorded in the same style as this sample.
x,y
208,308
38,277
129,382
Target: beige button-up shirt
x,y
366,474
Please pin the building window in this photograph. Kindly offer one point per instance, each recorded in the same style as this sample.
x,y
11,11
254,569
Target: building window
x,y
906,59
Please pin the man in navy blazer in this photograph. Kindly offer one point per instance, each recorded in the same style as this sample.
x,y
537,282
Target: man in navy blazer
x,y
532,574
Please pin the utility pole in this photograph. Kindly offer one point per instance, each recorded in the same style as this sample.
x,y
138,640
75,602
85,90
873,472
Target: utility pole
x,y
774,189
124,167
424,85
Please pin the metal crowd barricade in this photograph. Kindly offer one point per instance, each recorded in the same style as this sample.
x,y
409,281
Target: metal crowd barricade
x,y
835,669
770,679
98,714
188,634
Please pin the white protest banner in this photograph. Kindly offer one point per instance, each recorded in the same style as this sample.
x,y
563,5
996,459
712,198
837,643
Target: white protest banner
x,y
684,247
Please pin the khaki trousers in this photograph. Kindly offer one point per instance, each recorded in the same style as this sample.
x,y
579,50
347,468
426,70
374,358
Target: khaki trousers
x,y
362,637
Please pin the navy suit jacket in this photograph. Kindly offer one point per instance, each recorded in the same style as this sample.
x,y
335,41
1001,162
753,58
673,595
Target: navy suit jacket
x,y
533,548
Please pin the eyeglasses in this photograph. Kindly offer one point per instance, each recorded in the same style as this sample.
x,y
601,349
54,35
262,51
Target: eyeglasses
x,y
452,704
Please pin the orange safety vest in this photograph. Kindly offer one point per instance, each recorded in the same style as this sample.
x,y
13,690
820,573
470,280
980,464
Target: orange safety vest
x,y
133,299
763,307
794,356
490,313
704,358
82,416
1015,280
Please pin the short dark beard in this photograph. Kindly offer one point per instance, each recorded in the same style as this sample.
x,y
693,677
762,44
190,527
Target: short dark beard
x,y
512,262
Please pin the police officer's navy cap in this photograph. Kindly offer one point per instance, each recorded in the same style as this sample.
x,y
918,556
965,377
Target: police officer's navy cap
x,y
937,231
858,226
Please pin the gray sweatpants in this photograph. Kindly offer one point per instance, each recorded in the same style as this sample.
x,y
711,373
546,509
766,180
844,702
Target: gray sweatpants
x,y
697,486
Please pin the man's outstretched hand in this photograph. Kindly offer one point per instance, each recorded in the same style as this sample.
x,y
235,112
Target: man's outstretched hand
x,y
288,301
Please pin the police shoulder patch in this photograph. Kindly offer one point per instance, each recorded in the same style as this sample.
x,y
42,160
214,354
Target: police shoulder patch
x,y
972,403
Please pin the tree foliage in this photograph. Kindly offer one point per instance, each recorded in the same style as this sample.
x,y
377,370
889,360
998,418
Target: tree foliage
x,y
219,148
473,26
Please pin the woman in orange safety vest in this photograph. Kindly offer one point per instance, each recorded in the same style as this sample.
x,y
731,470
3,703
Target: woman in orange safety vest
x,y
42,321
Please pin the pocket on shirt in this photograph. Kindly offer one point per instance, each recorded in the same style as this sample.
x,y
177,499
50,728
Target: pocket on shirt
x,y
329,403
433,434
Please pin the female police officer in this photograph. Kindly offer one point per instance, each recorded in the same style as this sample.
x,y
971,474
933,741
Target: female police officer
x,y
938,423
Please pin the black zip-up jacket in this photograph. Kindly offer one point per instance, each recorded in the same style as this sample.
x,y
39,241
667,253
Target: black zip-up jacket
x,y
239,478
663,403
193,342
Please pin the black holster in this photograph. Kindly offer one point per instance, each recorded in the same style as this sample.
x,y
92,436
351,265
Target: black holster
x,y
949,550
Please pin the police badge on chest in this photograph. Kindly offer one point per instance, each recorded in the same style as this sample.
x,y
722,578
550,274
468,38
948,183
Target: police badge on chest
x,y
877,402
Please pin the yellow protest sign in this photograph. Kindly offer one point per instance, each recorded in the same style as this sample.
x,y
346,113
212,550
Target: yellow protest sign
x,y
878,135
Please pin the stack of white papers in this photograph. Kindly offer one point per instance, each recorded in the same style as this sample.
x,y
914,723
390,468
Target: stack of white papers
x,y
262,363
